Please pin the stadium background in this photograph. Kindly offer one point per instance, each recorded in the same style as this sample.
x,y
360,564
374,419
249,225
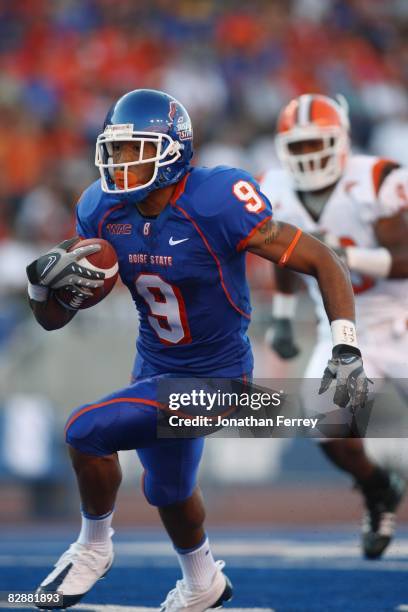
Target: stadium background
x,y
233,64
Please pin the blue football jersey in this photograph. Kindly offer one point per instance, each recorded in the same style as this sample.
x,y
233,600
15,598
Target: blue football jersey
x,y
185,268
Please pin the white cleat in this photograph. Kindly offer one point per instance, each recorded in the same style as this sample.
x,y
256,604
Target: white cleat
x,y
75,573
181,599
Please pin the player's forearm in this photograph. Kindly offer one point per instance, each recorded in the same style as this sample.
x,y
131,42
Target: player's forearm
x,y
335,287
50,314
286,280
399,263
293,250
311,256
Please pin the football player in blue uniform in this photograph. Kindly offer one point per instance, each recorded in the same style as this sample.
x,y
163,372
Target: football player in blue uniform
x,y
180,233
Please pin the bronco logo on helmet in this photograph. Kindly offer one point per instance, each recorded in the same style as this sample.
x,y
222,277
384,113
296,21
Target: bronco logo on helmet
x,y
172,112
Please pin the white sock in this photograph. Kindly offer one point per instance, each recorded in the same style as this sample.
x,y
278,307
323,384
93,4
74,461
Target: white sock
x,y
198,566
96,530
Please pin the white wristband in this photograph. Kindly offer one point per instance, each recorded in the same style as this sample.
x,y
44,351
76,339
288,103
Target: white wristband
x,y
374,262
38,293
284,305
344,332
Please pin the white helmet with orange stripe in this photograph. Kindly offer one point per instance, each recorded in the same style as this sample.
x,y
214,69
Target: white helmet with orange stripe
x,y
313,140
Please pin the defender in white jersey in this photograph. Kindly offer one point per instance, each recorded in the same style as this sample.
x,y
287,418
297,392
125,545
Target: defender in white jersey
x,y
357,204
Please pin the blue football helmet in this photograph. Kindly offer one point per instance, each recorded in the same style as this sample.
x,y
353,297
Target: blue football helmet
x,y
145,115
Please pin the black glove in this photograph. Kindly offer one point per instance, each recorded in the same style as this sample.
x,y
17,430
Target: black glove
x,y
281,339
59,268
346,367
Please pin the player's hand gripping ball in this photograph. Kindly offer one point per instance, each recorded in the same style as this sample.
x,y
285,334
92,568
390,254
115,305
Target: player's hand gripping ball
x,y
104,262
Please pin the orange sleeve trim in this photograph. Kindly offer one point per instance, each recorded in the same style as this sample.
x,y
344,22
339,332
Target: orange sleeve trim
x,y
381,170
243,243
286,256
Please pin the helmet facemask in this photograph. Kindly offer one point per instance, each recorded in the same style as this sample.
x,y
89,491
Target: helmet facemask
x,y
318,169
167,152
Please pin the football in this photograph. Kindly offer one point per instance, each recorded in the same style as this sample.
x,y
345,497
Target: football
x,y
105,261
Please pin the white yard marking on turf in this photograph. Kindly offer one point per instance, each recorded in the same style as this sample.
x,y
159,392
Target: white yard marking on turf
x,y
286,549
388,564
338,554
283,548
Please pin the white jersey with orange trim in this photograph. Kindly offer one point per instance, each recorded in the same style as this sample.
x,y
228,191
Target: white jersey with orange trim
x,y
369,189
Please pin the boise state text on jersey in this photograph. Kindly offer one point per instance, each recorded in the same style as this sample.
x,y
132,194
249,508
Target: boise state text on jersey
x,y
185,269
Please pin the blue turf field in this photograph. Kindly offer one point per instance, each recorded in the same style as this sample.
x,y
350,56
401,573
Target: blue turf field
x,y
287,571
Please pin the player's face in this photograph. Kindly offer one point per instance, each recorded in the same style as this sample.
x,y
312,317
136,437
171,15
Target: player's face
x,y
125,152
304,147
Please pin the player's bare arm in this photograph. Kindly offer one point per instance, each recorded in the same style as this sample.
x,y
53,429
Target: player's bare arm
x,y
388,259
391,233
274,241
284,245
287,281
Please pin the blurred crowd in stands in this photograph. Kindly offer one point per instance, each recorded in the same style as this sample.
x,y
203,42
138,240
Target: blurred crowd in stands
x,y
232,63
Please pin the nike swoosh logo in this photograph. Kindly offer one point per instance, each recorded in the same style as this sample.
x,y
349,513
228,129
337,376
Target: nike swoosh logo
x,y
51,261
348,360
174,242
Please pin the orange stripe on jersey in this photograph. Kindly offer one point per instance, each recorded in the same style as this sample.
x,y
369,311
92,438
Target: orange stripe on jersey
x,y
285,257
131,400
381,170
105,216
243,243
217,261
179,190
